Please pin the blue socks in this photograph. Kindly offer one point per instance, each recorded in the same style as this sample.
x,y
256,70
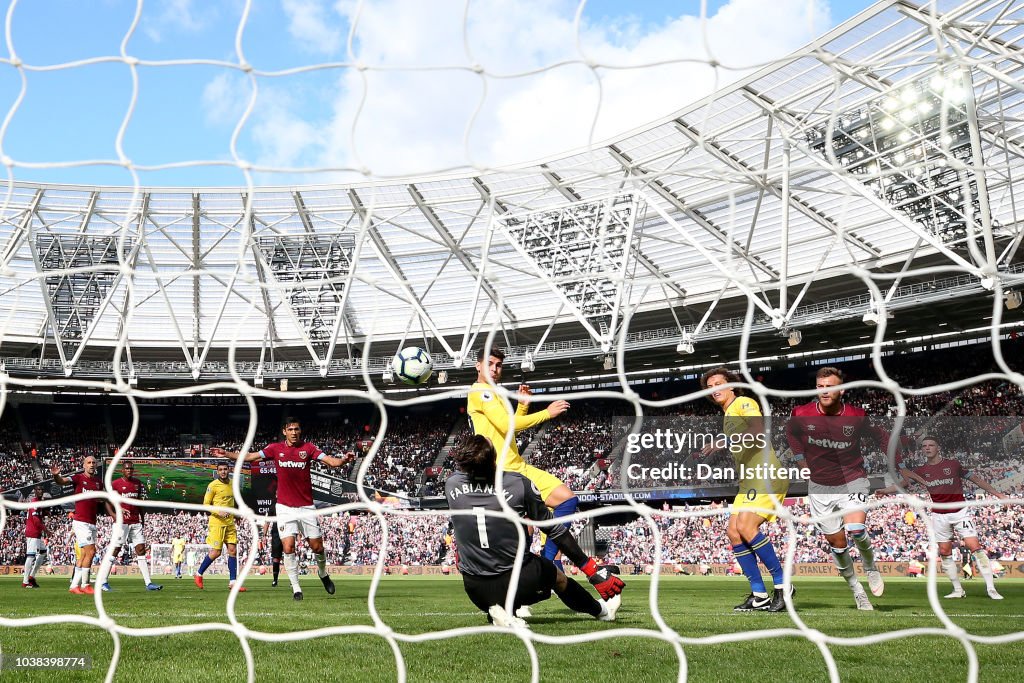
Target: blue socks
x,y
561,510
765,552
232,566
748,563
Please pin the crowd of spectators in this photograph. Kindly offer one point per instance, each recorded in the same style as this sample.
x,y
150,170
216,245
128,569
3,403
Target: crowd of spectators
x,y
16,462
15,469
693,535
420,539
898,535
411,446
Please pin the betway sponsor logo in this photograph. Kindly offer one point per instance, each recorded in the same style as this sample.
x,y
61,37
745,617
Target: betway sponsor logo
x,y
940,482
828,443
292,463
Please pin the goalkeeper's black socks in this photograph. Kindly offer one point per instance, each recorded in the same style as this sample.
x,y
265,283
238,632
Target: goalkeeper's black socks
x,y
578,599
277,569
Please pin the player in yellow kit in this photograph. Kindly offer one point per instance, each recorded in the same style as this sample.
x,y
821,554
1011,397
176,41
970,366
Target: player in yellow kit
x,y
222,530
177,555
758,495
489,417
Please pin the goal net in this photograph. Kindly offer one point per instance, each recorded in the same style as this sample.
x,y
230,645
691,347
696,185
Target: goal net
x,y
769,192
161,560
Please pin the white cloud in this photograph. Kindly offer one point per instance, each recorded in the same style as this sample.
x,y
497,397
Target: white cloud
x,y
314,24
174,15
284,138
225,98
415,121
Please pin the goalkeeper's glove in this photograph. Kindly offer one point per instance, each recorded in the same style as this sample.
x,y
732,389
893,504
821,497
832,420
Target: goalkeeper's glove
x,y
607,584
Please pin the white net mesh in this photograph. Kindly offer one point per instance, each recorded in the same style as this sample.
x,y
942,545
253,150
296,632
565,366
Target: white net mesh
x,y
870,172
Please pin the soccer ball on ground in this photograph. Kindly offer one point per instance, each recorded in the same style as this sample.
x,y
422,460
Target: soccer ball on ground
x,y
412,365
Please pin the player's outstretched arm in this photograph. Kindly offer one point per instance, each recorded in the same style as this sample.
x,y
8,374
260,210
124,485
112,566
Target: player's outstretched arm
x,y
897,487
984,485
494,412
235,455
57,477
332,461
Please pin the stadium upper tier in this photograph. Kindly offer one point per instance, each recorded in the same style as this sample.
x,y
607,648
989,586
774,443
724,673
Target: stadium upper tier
x,y
890,144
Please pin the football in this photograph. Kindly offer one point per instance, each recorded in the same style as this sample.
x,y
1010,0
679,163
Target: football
x,y
412,365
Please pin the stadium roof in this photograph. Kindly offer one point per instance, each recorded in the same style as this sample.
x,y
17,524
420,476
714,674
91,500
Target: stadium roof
x,y
735,198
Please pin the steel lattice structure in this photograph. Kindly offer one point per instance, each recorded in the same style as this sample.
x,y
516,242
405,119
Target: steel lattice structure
x,y
749,194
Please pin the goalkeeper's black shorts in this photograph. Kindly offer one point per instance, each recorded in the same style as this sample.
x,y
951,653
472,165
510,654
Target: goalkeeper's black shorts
x,y
276,551
536,581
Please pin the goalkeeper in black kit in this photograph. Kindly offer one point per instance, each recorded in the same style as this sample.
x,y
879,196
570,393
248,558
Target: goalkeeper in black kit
x,y
487,545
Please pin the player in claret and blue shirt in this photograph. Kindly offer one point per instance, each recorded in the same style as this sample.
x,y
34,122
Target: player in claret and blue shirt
x,y
943,478
295,510
35,541
83,523
129,532
825,436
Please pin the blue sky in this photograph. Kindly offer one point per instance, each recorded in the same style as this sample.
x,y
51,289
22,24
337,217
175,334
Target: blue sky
x,y
412,120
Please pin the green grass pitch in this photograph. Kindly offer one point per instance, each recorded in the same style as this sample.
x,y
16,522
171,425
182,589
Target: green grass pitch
x,y
694,607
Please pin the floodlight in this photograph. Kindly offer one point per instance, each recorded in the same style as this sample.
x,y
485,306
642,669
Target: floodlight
x,y
442,377
685,346
874,314
956,94
609,362
528,364
795,337
1012,298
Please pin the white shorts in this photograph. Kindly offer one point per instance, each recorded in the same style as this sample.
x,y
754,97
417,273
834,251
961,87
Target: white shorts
x,y
844,498
35,546
944,524
85,534
127,534
289,523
